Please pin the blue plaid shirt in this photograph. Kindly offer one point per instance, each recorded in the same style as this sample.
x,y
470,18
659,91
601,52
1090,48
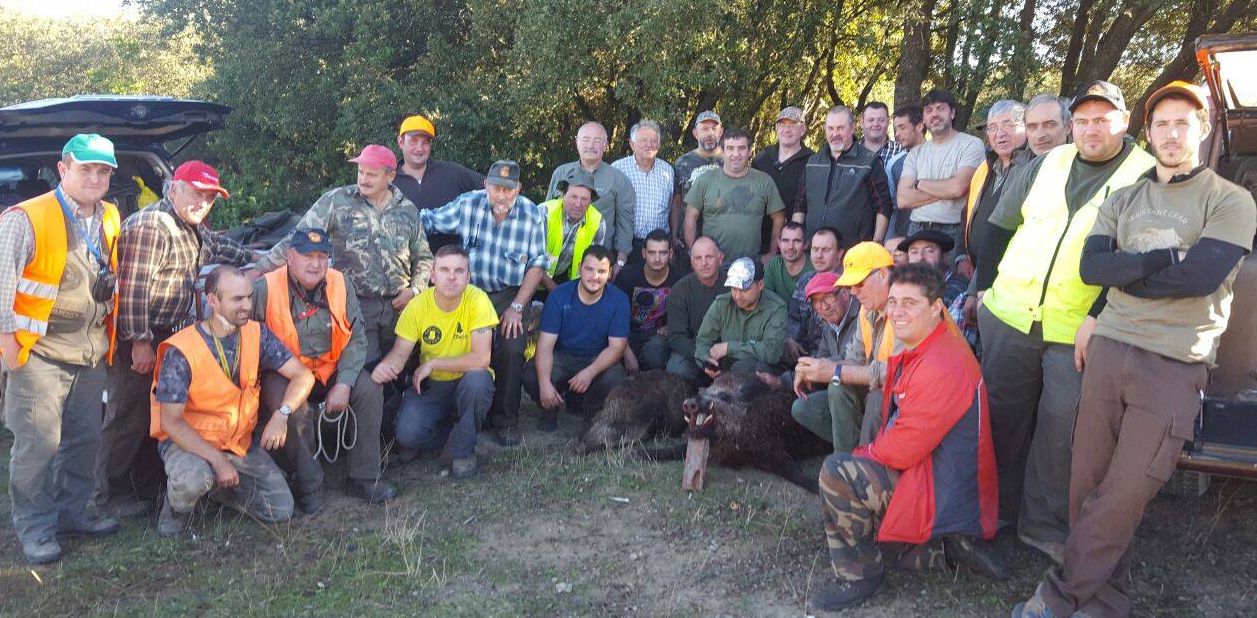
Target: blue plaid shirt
x,y
500,252
654,194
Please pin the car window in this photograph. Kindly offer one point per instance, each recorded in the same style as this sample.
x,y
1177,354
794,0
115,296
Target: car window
x,y
1238,79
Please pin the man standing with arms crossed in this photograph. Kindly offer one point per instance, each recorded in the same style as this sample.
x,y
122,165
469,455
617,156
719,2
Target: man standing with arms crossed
x,y
1169,247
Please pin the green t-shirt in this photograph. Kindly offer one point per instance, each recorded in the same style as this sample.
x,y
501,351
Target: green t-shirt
x,y
732,209
1151,215
779,280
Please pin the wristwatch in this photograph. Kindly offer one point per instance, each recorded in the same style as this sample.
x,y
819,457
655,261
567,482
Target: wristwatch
x,y
284,410
518,307
619,263
837,379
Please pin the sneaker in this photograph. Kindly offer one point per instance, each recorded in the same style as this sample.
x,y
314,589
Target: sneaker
x,y
372,491
549,421
91,524
842,594
1051,549
42,551
169,523
974,555
507,436
312,503
464,468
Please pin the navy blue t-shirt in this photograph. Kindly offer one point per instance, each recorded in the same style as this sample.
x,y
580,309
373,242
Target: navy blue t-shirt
x,y
583,329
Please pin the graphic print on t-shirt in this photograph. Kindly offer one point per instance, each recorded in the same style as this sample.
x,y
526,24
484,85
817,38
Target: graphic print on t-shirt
x,y
649,307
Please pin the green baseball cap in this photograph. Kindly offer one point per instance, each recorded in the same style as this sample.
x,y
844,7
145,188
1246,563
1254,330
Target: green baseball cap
x,y
90,148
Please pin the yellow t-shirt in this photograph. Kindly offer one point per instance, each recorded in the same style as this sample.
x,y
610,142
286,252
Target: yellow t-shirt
x,y
445,335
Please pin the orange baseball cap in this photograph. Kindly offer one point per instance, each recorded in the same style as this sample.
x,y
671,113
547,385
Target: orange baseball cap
x,y
861,260
417,123
1197,95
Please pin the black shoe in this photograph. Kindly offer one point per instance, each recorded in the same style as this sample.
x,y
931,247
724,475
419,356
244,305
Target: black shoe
x,y
549,421
842,594
507,436
312,503
372,491
975,555
91,524
42,551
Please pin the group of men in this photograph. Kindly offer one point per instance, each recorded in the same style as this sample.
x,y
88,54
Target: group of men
x,y
868,278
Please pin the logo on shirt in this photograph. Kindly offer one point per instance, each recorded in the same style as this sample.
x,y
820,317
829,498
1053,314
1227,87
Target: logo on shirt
x,y
432,335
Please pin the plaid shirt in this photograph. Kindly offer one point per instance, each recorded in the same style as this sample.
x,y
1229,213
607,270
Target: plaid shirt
x,y
654,194
888,152
159,257
500,252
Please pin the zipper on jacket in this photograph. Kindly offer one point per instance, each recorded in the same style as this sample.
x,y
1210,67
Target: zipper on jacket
x,y
1060,241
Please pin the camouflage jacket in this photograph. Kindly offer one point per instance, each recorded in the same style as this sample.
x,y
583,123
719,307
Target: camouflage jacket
x,y
381,253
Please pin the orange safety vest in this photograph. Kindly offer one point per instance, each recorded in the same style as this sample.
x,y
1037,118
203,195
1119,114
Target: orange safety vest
x,y
279,319
41,280
866,333
222,412
975,192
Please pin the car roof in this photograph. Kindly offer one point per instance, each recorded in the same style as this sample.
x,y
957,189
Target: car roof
x,y
130,119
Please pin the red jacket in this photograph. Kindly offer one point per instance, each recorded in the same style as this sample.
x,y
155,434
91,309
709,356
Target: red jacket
x,y
938,436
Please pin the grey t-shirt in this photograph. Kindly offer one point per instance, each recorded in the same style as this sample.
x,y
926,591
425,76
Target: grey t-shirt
x,y
1151,215
934,161
732,209
689,166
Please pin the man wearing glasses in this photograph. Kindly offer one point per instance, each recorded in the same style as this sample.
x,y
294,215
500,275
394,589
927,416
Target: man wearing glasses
x,y
617,199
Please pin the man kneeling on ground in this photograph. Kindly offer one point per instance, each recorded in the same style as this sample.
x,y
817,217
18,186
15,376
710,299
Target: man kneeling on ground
x,y
584,330
205,409
452,323
930,472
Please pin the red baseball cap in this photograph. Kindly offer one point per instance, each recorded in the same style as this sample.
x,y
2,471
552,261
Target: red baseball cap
x,y
375,155
200,175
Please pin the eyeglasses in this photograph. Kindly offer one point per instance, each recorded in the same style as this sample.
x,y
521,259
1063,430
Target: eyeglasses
x,y
1006,127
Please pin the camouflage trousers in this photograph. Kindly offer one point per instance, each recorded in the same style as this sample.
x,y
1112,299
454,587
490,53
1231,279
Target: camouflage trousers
x,y
262,493
854,495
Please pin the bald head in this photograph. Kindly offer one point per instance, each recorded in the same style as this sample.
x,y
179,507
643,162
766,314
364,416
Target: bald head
x,y
705,259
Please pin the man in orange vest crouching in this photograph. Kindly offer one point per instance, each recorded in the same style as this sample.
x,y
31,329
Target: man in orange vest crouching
x,y
314,310
205,409
57,271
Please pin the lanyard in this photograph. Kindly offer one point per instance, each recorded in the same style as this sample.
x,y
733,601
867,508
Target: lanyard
x,y
228,368
88,239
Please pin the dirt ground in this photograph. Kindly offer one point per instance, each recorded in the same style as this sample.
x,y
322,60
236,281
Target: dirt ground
x,y
545,532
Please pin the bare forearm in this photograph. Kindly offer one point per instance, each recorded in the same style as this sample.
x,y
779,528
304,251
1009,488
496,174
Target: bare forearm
x,y
183,435
944,189
879,228
532,278
609,356
470,361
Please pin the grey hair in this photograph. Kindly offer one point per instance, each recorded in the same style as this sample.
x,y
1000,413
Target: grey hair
x,y
1061,102
645,124
1007,106
842,109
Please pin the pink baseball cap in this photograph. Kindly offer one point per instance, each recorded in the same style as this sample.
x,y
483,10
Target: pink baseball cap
x,y
820,283
375,155
200,175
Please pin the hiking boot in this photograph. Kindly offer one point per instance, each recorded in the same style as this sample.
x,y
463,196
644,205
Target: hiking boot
x,y
507,436
464,468
91,524
974,555
842,594
1035,607
1051,549
371,491
42,550
312,503
549,420
169,523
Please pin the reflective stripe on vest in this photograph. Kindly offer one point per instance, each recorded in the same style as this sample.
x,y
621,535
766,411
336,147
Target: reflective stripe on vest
x,y
221,411
41,279
554,235
279,319
887,346
1038,278
975,194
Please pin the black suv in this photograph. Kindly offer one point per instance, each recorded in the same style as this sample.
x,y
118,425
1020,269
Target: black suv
x,y
147,132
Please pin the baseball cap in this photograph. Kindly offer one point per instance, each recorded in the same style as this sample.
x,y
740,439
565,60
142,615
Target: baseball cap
x,y
791,113
504,173
200,175
375,155
861,260
820,283
308,241
580,178
1194,93
742,273
91,148
944,242
417,123
1099,90
707,116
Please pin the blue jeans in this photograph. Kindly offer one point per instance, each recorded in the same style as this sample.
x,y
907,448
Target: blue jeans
x,y
446,414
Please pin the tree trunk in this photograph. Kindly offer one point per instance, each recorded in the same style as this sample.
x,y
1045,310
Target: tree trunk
x,y
1110,47
914,52
1073,54
1020,62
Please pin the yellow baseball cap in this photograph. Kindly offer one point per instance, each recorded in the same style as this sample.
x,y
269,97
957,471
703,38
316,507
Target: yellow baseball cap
x,y
417,123
861,260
